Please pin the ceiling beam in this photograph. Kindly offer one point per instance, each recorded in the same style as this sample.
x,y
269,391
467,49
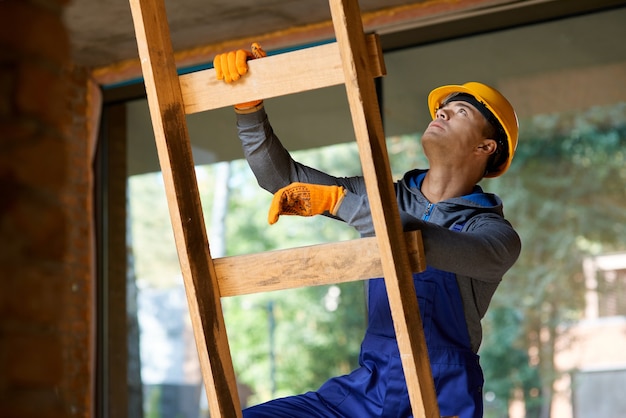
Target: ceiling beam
x,y
507,15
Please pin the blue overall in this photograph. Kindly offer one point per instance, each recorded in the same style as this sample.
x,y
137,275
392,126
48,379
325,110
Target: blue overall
x,y
377,388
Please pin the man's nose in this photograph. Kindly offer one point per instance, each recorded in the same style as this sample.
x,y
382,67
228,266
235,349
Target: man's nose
x,y
441,114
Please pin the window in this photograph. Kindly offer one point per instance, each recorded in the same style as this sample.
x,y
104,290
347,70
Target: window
x,y
605,279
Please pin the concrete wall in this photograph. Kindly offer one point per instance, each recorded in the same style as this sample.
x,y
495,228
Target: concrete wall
x,y
46,218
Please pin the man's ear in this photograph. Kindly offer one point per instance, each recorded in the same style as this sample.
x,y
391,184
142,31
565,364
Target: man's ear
x,y
487,146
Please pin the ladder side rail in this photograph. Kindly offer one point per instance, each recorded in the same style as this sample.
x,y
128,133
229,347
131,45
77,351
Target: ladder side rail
x,y
175,156
379,184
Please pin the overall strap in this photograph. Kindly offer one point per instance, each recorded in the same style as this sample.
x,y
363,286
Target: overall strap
x,y
458,227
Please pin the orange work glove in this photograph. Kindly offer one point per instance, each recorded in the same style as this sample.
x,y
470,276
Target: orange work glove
x,y
230,66
305,200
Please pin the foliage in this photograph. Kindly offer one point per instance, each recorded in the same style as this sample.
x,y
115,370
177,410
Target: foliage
x,y
564,194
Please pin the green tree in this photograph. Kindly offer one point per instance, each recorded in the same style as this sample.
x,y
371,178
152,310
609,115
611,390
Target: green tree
x,y
506,360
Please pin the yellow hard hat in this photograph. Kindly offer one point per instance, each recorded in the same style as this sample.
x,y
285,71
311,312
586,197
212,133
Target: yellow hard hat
x,y
495,103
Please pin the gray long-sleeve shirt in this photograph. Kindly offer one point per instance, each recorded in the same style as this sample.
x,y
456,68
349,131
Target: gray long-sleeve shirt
x,y
466,235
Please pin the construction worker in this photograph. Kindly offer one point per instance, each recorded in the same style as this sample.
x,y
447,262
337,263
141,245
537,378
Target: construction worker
x,y
468,245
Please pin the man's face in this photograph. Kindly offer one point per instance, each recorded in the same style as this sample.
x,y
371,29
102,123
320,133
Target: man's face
x,y
457,130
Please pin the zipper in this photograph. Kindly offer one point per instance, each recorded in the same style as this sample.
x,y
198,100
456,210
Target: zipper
x,y
428,211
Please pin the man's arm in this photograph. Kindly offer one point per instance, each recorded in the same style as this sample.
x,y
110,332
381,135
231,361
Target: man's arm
x,y
271,163
274,168
486,250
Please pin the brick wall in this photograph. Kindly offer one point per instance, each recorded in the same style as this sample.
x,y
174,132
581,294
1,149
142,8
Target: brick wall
x,y
46,250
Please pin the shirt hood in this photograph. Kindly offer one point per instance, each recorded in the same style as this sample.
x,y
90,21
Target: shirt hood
x,y
466,206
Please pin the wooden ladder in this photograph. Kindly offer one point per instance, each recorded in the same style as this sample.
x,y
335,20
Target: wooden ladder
x,y
354,60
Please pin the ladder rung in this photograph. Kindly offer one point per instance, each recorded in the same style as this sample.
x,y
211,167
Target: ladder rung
x,y
277,75
313,265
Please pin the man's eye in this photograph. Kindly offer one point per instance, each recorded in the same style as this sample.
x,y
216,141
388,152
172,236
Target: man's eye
x,y
463,111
